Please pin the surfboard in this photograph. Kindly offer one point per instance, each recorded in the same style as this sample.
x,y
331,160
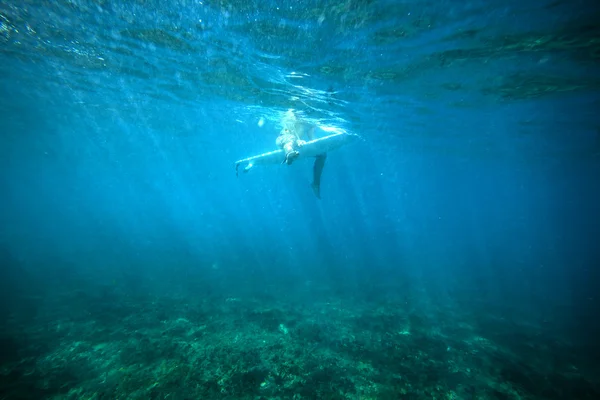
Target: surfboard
x,y
312,148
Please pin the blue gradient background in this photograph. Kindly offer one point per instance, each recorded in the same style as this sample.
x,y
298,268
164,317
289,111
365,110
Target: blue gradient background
x,y
462,199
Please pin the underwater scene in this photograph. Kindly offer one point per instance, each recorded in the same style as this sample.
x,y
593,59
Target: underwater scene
x,y
299,199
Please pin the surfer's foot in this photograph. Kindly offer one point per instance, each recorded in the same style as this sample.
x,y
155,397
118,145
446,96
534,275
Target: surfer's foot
x,y
291,156
316,190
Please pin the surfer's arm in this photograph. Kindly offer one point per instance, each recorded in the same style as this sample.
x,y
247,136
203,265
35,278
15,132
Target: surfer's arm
x,y
310,133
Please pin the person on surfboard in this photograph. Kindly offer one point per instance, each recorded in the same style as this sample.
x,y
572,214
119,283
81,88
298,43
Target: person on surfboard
x,y
290,140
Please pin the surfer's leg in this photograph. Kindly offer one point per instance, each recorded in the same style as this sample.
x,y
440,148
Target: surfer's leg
x,y
290,153
317,171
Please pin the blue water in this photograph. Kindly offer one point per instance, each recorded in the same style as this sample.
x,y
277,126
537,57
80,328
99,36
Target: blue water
x,y
453,254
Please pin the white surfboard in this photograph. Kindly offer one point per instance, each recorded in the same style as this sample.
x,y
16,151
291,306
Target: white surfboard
x,y
334,139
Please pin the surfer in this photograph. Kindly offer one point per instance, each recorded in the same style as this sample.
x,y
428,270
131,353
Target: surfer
x,y
290,143
291,140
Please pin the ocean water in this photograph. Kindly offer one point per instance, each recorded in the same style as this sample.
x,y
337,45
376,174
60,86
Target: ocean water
x,y
453,254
